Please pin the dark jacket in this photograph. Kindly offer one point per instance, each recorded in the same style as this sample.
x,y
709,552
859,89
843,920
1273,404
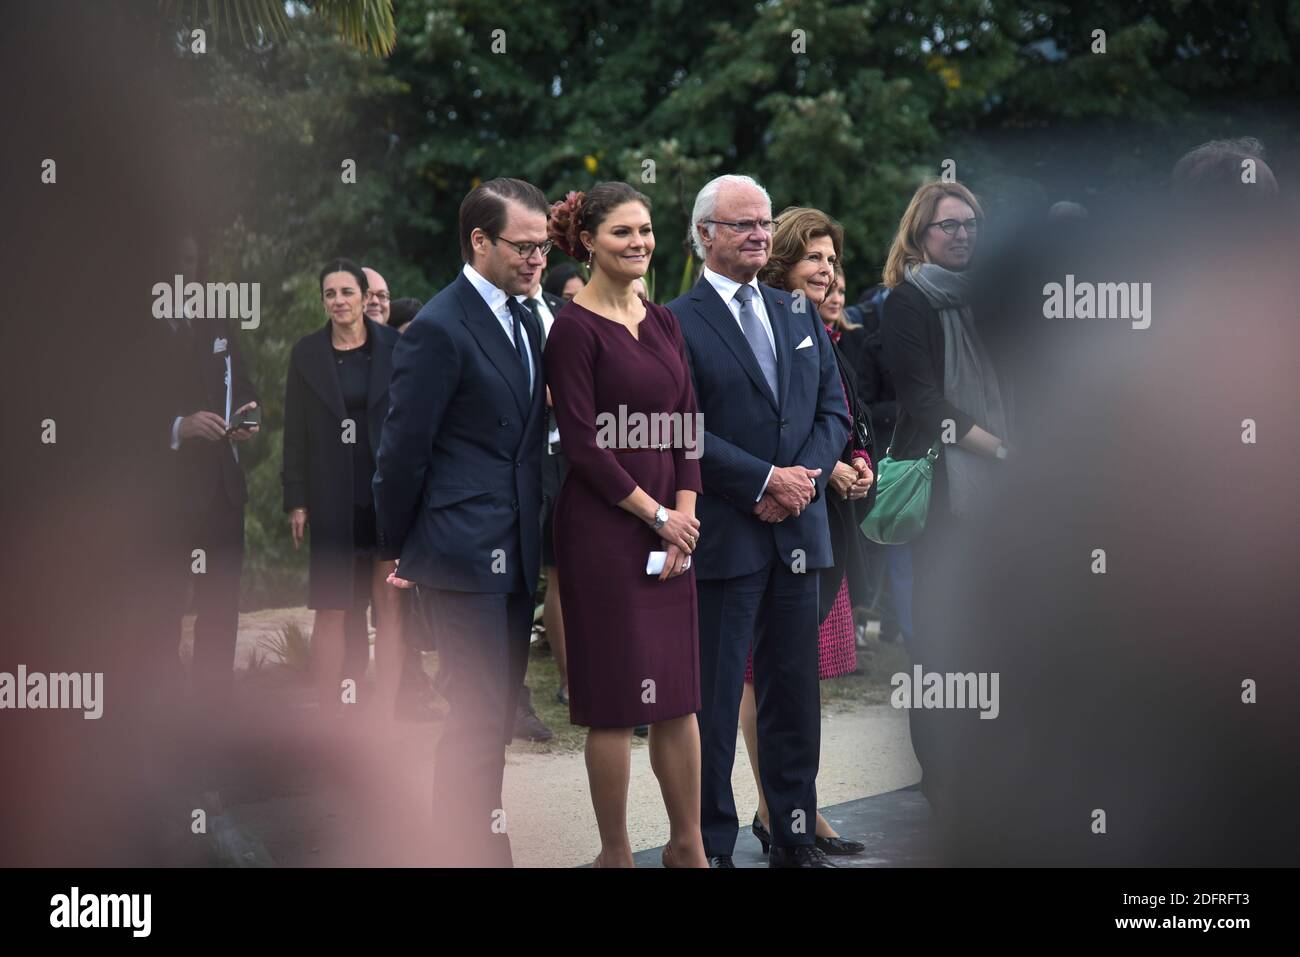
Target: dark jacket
x,y
862,347
458,485
200,469
317,472
845,516
912,336
748,430
554,465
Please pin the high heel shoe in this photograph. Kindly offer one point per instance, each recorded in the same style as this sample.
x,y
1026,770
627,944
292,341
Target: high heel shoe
x,y
764,836
838,845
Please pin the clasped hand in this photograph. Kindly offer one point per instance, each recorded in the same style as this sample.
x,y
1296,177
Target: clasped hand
x,y
789,491
852,481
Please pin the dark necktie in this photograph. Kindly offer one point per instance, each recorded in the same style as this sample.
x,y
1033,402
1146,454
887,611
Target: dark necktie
x,y
757,336
535,308
517,315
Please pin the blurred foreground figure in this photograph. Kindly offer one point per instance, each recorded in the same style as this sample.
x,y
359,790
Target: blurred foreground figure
x,y
1133,587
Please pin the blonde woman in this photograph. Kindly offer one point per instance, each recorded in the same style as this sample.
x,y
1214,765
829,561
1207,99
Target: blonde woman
x,y
945,381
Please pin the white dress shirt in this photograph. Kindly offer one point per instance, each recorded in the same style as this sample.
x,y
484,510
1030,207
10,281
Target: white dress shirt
x,y
496,303
548,318
726,288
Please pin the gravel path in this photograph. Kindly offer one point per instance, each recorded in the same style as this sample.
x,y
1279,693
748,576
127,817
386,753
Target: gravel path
x,y
865,751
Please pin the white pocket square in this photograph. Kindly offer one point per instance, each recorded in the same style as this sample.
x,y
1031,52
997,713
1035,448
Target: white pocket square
x,y
806,344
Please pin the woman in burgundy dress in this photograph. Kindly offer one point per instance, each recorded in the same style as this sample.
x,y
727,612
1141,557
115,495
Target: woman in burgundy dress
x,y
617,370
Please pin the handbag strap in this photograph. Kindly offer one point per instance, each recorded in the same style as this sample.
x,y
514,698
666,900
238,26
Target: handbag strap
x,y
930,454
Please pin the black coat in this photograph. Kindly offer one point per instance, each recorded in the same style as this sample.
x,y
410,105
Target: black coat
x,y
913,339
318,473
862,347
554,465
844,515
196,371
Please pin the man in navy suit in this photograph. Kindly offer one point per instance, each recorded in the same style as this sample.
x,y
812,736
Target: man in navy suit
x,y
458,494
775,421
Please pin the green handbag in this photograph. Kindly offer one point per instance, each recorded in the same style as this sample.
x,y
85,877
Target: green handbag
x,y
902,499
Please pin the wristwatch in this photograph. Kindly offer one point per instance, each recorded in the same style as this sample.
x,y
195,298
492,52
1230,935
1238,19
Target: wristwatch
x,y
1001,452
661,517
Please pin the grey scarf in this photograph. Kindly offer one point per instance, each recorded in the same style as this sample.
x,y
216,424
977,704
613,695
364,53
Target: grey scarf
x,y
969,382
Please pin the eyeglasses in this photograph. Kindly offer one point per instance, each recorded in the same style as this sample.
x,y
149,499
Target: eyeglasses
x,y
381,296
744,227
526,250
950,226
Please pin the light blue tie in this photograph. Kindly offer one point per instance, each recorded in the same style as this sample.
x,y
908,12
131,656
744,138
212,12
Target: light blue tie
x,y
756,335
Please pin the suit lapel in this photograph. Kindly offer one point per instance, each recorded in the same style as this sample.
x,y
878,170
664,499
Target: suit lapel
x,y
718,315
381,366
777,315
487,331
318,370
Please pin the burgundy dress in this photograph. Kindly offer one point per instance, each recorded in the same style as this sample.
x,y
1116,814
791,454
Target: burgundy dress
x,y
632,640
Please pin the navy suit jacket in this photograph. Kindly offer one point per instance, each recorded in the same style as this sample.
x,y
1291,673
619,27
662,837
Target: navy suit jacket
x,y
747,430
458,478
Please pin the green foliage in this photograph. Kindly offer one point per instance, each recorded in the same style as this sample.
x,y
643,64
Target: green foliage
x,y
365,24
291,648
881,93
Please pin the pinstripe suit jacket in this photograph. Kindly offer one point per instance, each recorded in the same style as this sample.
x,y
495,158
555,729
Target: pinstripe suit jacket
x,y
747,430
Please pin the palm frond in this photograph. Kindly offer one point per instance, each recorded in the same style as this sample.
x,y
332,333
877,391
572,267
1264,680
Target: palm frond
x,y
364,24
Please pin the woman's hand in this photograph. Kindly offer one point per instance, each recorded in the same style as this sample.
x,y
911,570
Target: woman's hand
x,y
682,529
842,478
675,564
862,484
297,525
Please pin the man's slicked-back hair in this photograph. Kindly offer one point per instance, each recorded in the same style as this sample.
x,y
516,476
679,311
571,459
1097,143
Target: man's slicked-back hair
x,y
485,208
706,203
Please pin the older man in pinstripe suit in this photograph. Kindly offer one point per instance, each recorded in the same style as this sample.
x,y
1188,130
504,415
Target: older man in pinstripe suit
x,y
775,422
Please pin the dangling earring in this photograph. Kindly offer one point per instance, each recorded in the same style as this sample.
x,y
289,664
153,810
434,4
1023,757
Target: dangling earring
x,y
591,254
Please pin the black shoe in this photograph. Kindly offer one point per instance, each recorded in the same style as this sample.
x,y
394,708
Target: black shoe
x,y
762,833
721,860
838,845
802,855
528,726
562,696
642,730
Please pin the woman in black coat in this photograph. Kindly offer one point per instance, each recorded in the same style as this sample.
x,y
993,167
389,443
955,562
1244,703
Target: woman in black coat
x,y
950,400
336,397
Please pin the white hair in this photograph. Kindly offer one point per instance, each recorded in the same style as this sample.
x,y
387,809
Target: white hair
x,y
706,203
